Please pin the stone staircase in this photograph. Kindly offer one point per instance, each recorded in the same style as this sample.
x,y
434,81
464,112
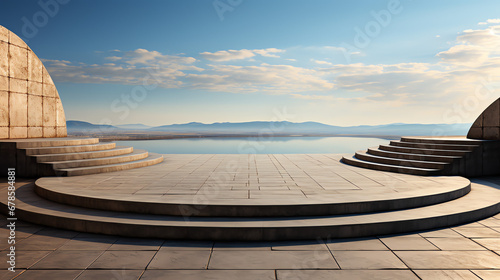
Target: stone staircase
x,y
432,156
70,157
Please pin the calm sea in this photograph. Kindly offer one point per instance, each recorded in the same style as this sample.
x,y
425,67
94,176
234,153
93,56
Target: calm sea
x,y
255,145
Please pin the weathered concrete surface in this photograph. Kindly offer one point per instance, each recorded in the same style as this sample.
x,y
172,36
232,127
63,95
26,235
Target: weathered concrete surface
x,y
30,106
487,125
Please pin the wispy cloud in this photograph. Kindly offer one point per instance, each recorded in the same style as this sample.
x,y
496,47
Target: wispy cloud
x,y
239,54
264,77
322,62
491,20
128,68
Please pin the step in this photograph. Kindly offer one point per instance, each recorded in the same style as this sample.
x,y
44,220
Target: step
x,y
462,140
400,162
434,146
150,160
135,155
69,149
52,142
392,168
118,150
67,191
420,157
481,202
422,151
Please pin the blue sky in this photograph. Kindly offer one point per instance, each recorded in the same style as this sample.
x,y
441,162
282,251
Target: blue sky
x,y
336,62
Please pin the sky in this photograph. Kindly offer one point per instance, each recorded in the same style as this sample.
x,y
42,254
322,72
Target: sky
x,y
345,63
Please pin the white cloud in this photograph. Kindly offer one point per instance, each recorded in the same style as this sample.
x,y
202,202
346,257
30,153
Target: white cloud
x,y
322,62
265,77
491,20
155,58
133,68
464,55
239,54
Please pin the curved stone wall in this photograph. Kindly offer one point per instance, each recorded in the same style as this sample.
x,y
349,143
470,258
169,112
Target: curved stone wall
x,y
487,125
30,106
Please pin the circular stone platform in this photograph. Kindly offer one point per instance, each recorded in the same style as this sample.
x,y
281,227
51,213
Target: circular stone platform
x,y
251,186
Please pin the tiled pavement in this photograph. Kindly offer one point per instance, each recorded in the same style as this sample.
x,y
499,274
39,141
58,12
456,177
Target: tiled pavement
x,y
238,179
470,251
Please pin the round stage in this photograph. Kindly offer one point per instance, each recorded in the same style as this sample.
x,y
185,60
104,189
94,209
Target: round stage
x,y
253,197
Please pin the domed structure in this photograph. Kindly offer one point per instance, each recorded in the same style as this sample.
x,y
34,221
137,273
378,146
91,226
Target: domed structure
x,y
487,125
30,106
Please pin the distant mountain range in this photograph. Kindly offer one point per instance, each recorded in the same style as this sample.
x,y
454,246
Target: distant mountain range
x,y
275,128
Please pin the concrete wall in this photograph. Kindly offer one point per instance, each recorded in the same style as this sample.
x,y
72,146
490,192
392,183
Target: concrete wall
x,y
30,106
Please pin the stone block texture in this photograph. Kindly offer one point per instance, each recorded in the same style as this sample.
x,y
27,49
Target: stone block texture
x,y
30,106
487,125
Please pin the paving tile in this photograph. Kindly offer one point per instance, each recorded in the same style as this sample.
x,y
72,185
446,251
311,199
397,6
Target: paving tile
x,y
450,259
408,243
271,260
54,232
477,232
187,245
90,243
40,242
21,232
8,275
123,260
298,246
49,274
168,259
488,274
67,260
137,244
490,222
242,246
446,232
24,259
490,243
357,244
122,274
367,260
455,244
208,274
445,274
470,225
346,274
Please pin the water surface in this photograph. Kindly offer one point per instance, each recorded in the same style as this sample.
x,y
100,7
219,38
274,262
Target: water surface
x,y
256,145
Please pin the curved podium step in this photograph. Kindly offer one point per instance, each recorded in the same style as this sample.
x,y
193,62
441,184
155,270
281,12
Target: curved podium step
x,y
419,157
116,151
400,162
69,149
422,151
132,156
77,171
389,167
358,201
458,140
481,202
433,146
52,142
